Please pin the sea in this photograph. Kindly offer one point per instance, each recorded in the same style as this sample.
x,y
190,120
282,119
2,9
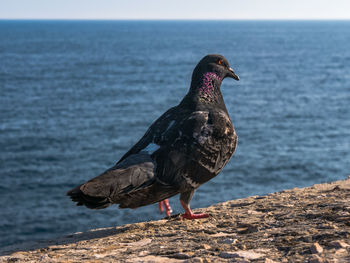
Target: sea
x,y
76,95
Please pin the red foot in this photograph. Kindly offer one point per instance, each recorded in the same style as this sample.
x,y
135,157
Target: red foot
x,y
188,213
193,216
168,209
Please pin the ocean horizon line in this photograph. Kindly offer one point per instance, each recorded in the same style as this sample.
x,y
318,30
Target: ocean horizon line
x,y
179,19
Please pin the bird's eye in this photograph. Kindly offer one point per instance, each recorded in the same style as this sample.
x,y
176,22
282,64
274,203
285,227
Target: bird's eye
x,y
220,62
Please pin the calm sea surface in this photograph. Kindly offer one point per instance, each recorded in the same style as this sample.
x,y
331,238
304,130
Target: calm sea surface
x,y
75,95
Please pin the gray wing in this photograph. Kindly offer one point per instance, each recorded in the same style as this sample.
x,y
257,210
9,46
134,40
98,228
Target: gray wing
x,y
157,128
131,183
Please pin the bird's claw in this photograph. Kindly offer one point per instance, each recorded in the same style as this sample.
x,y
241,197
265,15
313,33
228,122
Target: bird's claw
x,y
193,216
167,207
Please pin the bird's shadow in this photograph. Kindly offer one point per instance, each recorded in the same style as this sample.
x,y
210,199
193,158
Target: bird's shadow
x,y
70,239
65,240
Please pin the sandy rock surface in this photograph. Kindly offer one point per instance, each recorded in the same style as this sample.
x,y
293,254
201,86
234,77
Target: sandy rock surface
x,y
298,225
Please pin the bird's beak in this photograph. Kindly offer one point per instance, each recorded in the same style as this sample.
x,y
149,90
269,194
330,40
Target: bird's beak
x,y
232,74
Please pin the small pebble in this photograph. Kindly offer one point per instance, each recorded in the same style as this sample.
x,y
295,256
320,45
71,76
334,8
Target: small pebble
x,y
338,244
181,256
316,259
316,248
143,253
229,241
242,260
205,246
340,251
195,260
241,254
228,255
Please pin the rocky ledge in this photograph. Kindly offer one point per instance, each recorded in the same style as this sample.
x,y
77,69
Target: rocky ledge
x,y
298,225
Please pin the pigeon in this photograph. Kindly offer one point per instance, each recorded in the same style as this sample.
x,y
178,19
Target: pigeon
x,y
184,148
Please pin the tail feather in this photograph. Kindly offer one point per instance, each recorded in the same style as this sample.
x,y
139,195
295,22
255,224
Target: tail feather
x,y
135,172
89,201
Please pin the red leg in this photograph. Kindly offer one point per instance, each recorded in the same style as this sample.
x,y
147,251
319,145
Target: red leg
x,y
188,213
168,209
166,204
160,204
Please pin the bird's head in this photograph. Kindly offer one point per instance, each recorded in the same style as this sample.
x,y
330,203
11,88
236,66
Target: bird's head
x,y
214,64
207,78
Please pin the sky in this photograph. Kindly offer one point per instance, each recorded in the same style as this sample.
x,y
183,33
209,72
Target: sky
x,y
175,9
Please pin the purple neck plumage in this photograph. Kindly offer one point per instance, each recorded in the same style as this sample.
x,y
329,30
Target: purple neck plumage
x,y
205,90
209,87
208,79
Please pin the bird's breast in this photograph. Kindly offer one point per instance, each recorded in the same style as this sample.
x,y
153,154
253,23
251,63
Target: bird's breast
x,y
217,130
213,145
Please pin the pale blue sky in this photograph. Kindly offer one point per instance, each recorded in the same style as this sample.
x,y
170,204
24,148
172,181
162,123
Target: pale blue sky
x,y
175,9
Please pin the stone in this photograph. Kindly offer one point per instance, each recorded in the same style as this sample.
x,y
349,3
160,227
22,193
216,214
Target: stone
x,y
181,256
195,260
228,255
246,254
150,259
143,253
316,248
316,259
205,246
221,234
232,241
338,244
140,243
242,260
249,254
340,252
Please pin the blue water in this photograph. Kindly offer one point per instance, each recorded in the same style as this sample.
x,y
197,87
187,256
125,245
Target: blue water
x,y
75,95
